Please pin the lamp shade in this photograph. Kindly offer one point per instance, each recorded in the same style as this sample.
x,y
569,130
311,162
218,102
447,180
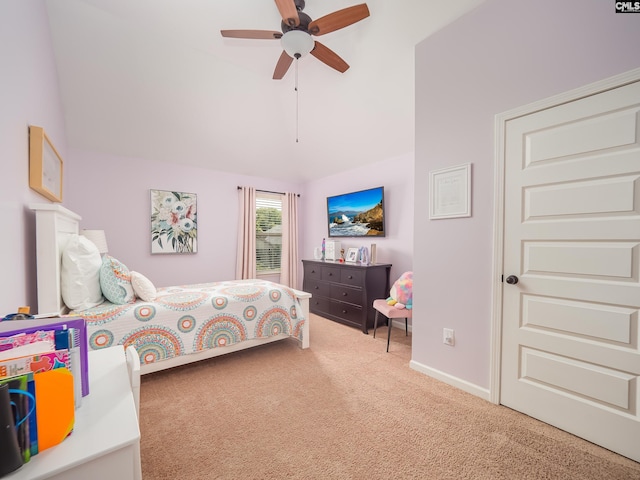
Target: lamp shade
x,y
98,237
297,43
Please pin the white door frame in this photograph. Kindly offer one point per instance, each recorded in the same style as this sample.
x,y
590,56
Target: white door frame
x,y
498,207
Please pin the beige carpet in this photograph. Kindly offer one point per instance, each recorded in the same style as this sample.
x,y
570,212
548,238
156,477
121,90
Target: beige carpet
x,y
345,409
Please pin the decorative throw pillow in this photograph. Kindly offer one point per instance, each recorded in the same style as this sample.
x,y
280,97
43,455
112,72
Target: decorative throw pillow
x,y
143,287
115,280
80,274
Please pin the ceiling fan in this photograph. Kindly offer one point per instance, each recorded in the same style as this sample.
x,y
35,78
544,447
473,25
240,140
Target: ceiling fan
x,y
297,29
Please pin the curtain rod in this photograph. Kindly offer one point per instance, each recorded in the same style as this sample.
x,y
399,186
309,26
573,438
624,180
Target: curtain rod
x,y
269,191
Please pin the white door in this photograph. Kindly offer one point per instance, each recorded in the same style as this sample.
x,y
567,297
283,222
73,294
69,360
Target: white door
x,y
570,334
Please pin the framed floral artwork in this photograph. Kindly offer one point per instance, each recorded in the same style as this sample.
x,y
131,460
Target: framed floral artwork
x,y
174,222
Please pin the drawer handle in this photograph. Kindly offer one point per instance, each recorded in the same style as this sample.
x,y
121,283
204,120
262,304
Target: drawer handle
x,y
331,274
344,294
316,287
350,277
344,311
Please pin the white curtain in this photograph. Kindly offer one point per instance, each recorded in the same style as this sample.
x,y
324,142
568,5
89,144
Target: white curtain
x,y
246,253
289,259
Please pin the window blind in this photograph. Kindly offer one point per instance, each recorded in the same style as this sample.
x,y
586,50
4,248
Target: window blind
x,y
268,232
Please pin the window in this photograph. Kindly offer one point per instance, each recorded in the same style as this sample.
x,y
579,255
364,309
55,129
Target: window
x,y
268,232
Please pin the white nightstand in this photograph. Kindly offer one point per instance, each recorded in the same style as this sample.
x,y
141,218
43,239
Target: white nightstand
x,y
105,443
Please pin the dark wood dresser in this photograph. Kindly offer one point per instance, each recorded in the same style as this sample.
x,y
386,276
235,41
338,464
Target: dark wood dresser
x,y
345,292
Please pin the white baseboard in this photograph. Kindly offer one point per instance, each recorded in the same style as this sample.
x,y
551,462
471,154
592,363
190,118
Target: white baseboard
x,y
399,323
451,380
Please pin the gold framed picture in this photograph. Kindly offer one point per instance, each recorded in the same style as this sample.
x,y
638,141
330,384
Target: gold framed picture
x,y
45,165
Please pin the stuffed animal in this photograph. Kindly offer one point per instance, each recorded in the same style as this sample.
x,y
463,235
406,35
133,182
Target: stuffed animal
x,y
402,292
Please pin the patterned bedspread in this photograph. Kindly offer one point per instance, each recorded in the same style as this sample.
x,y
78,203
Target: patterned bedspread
x,y
189,318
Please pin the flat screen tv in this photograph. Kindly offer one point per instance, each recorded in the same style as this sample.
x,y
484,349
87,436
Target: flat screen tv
x,y
357,214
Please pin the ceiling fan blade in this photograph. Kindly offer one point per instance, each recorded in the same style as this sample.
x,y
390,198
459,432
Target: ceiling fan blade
x,y
253,34
288,12
328,56
339,19
284,62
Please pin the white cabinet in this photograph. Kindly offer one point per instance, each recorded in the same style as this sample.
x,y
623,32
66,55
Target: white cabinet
x,y
105,442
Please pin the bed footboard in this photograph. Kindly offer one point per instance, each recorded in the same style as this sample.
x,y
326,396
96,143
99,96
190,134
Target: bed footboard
x,y
304,302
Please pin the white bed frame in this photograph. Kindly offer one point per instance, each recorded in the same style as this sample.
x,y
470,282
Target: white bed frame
x,y
54,226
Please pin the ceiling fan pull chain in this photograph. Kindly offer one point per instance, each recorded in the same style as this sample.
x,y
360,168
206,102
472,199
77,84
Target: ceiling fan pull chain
x,y
297,103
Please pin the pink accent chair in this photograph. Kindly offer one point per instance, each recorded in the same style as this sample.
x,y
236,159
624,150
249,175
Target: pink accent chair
x,y
391,312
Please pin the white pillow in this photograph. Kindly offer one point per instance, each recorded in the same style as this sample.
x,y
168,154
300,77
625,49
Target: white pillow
x,y
143,287
80,274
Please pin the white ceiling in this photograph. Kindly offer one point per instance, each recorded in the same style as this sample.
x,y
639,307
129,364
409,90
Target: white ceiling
x,y
154,79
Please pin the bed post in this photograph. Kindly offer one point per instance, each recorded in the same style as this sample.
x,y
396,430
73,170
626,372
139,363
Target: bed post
x,y
54,225
304,303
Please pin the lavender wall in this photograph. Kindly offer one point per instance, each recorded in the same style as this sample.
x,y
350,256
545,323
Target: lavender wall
x,y
28,96
112,193
396,176
504,54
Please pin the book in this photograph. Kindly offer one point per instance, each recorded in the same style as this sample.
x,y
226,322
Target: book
x,y
13,327
33,422
69,338
20,344
41,362
75,360
12,340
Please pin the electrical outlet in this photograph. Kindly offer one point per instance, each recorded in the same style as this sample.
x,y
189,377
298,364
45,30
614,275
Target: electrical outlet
x,y
448,336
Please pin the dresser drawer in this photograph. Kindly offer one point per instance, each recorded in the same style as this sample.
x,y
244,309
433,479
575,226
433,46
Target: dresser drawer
x,y
315,287
319,305
331,274
347,312
352,276
343,293
312,272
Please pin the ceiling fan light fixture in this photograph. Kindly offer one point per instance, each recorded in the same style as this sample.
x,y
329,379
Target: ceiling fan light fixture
x,y
297,43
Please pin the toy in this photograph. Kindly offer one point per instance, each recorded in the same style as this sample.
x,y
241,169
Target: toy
x,y
401,293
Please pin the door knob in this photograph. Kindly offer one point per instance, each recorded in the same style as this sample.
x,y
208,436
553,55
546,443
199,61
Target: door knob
x,y
512,280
